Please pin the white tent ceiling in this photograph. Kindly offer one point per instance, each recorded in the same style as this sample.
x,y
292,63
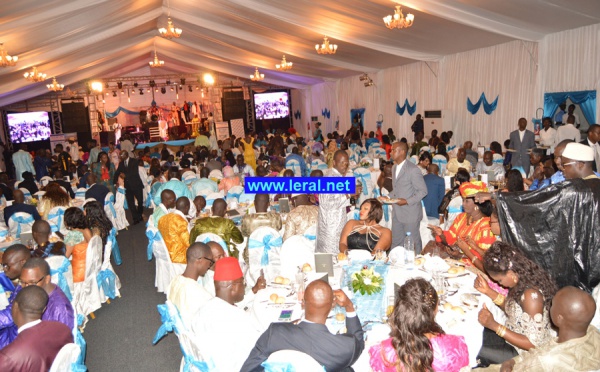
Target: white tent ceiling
x,y
77,40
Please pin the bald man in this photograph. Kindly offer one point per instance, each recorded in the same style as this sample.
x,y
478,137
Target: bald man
x,y
262,217
218,224
19,205
167,202
577,347
13,260
304,215
44,247
311,336
174,229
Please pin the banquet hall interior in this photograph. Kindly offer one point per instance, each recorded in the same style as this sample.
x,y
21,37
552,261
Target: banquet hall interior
x,y
130,132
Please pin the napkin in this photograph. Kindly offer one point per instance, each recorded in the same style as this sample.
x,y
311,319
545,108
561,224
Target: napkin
x,y
435,263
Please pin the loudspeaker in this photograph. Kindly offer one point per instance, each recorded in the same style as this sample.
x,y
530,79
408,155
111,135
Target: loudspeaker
x,y
75,117
233,104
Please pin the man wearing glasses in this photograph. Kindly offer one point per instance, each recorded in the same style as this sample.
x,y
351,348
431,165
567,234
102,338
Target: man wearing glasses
x,y
577,161
185,292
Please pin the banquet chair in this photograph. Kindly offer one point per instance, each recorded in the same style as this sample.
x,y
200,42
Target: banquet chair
x,y
498,158
359,255
311,235
210,237
188,177
120,205
108,281
264,246
3,298
291,360
66,357
80,193
20,222
363,175
56,220
414,159
215,175
441,162
166,270
380,153
204,192
295,252
424,231
109,207
294,165
246,198
318,164
86,295
26,193
193,360
210,198
386,220
44,181
116,251
354,214
235,193
61,273
40,194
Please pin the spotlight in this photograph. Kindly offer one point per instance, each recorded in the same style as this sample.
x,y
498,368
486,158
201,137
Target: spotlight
x,y
148,91
96,86
209,79
122,91
197,87
156,90
172,89
135,84
189,88
107,93
152,83
141,92
163,90
168,82
133,91
182,81
120,85
114,93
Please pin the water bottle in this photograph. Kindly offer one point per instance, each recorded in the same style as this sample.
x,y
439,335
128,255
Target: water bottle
x,y
409,249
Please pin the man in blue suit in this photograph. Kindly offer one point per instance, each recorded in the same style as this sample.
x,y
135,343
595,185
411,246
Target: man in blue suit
x,y
521,141
96,190
435,191
20,206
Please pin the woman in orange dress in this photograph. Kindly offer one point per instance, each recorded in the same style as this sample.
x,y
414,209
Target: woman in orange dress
x,y
229,180
473,224
76,241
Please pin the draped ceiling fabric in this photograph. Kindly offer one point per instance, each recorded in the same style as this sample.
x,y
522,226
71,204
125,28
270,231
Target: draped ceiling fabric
x,y
454,50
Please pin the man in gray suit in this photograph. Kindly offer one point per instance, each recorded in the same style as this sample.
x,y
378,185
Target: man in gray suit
x,y
410,189
521,141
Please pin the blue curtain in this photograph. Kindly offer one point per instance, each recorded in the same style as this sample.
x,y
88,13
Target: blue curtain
x,y
586,99
406,106
487,107
111,115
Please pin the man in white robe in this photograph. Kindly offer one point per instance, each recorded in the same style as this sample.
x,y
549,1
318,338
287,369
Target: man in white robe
x,y
22,161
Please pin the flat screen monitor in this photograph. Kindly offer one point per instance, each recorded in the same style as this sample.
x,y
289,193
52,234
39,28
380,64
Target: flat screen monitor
x,y
29,126
272,105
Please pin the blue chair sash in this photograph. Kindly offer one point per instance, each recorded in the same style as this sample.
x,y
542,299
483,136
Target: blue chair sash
x,y
231,195
209,202
106,280
80,341
3,233
62,281
149,200
363,180
268,242
455,209
116,251
111,205
59,215
122,191
278,366
153,235
80,194
310,236
295,167
21,220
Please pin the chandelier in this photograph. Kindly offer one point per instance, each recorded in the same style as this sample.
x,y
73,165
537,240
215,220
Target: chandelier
x,y
5,59
326,48
34,75
170,31
156,62
257,76
55,86
398,20
284,65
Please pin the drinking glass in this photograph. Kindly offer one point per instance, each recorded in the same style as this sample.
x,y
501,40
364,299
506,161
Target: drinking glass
x,y
439,282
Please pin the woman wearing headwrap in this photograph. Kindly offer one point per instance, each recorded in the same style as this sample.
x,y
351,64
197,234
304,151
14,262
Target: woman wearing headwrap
x,y
229,179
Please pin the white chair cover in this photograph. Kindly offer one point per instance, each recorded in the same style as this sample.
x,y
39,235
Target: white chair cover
x,y
40,194
86,296
297,360
144,177
380,153
354,214
264,246
56,219
26,193
498,159
414,159
235,193
3,298
318,164
311,235
210,198
215,175
119,206
364,176
210,237
204,192
45,180
4,232
294,165
188,177
66,356
454,209
424,231
246,198
61,273
165,269
20,222
295,252
441,162
80,193
109,207
108,281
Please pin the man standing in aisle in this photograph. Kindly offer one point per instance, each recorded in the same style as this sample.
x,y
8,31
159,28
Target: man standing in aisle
x,y
133,185
521,141
22,161
409,190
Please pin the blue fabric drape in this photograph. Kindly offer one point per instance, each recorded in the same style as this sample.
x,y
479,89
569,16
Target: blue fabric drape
x,y
586,99
487,107
110,115
326,113
406,107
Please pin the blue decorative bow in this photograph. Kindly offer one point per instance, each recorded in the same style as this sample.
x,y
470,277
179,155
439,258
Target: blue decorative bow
x,y
381,153
168,323
80,341
122,191
78,367
209,202
80,194
293,165
21,220
59,216
116,252
406,106
297,115
498,161
267,243
386,212
310,236
148,200
3,233
232,195
487,107
62,281
441,163
363,180
277,366
153,235
106,281
111,206
326,113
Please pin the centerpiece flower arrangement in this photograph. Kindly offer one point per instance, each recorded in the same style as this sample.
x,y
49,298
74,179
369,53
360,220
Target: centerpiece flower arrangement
x,y
367,281
365,164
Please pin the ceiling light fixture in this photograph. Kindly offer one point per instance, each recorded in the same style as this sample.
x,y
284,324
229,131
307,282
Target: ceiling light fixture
x,y
398,20
170,31
55,86
96,86
5,59
257,76
284,65
35,75
326,48
156,62
208,79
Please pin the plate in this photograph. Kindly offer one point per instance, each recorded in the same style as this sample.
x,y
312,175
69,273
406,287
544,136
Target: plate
x,y
448,275
388,200
511,150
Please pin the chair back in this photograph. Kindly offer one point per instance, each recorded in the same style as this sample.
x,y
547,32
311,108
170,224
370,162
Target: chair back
x,y
20,222
210,198
380,153
80,193
40,194
235,192
56,220
26,193
295,252
109,207
215,175
294,165
264,246
318,164
66,357
61,273
414,159
44,181
188,177
364,176
4,232
311,233
86,298
498,159
291,360
166,270
354,214
210,237
441,162
108,281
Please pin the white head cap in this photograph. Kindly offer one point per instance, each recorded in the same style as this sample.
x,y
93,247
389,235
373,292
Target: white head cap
x,y
578,152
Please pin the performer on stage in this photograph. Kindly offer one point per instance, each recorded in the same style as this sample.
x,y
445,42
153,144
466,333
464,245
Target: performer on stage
x,y
117,128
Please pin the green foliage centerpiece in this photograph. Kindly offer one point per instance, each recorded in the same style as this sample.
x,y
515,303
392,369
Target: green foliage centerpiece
x,y
367,281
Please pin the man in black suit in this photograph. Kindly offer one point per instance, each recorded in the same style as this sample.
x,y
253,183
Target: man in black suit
x,y
96,190
58,178
521,141
311,336
593,140
20,206
133,185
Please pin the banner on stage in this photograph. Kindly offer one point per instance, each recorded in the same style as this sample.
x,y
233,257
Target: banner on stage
x,y
237,128
222,128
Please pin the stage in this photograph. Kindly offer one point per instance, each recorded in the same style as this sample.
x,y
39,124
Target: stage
x,y
175,143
